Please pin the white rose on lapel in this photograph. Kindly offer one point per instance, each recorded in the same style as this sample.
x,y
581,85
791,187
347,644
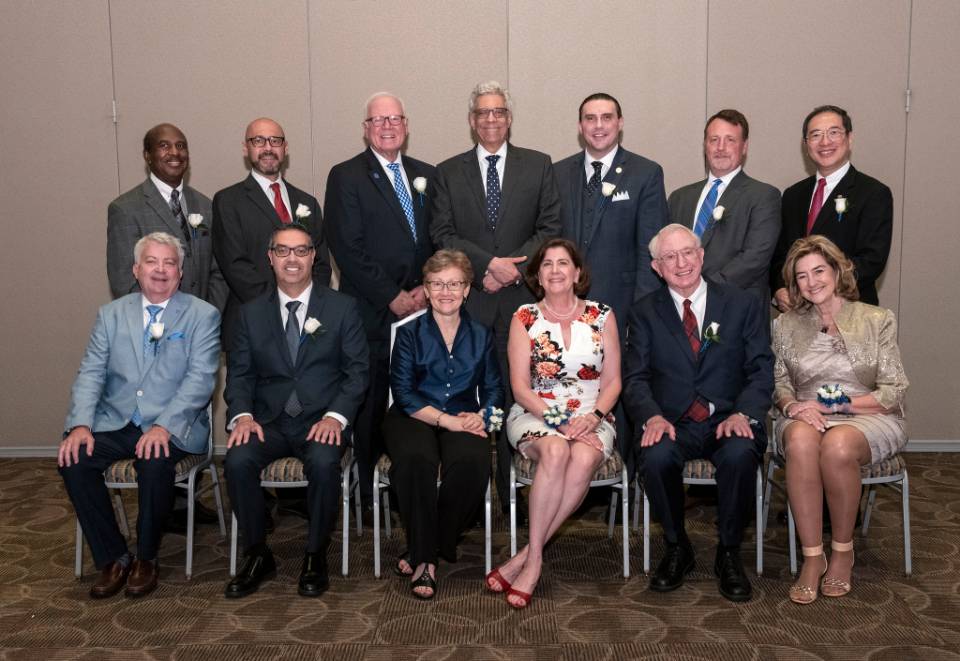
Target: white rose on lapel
x,y
840,204
608,188
718,213
420,184
303,211
195,220
156,331
312,327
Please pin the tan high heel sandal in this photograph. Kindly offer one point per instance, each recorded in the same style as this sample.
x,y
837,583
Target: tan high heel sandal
x,y
835,587
804,594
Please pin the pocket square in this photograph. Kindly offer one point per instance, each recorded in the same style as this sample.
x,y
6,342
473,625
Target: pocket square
x,y
176,335
620,196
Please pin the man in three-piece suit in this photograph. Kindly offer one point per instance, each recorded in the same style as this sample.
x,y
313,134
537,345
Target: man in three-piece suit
x,y
164,203
497,203
141,393
612,231
736,217
295,377
699,378
246,214
841,203
377,224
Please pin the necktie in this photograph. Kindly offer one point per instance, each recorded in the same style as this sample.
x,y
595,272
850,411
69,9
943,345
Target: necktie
x,y
293,407
153,311
404,197
493,192
178,214
706,209
279,205
700,409
594,183
816,205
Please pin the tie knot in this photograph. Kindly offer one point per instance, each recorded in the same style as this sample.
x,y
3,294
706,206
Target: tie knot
x,y
492,160
153,311
597,166
394,167
686,304
292,307
174,195
717,182
275,187
821,182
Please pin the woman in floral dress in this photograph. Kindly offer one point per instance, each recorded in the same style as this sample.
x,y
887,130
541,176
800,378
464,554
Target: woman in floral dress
x,y
564,355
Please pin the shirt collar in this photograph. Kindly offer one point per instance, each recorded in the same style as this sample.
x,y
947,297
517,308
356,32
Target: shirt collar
x,y
166,188
606,159
699,293
383,160
483,153
727,178
144,302
266,183
304,297
834,177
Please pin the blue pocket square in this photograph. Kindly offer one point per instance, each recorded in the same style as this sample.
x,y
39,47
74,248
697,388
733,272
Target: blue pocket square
x,y
176,335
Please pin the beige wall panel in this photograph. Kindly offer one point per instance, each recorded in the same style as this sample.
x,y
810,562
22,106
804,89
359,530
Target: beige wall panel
x,y
929,303
58,143
776,61
210,68
429,53
650,55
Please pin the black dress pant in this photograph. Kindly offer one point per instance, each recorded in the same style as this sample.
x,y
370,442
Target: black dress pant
x,y
285,437
435,518
736,459
85,486
367,439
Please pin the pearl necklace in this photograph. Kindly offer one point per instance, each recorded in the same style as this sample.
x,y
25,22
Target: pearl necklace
x,y
576,304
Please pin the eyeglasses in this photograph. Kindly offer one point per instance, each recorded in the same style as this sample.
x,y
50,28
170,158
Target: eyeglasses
x,y
672,256
379,120
260,141
833,135
284,251
496,113
440,285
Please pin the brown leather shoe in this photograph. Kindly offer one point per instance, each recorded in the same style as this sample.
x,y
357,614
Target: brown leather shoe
x,y
143,578
111,580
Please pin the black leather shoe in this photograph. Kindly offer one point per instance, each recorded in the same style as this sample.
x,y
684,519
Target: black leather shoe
x,y
733,581
256,567
313,576
677,562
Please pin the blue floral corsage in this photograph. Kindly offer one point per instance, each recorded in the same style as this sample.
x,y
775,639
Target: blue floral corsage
x,y
556,416
492,418
833,397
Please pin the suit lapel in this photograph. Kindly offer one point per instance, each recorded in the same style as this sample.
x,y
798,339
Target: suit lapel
x,y
577,181
256,196
314,309
274,321
668,313
511,172
382,183
474,178
716,304
134,319
615,178
828,212
155,201
728,201
419,200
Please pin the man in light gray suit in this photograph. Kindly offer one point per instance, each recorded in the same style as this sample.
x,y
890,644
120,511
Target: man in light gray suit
x,y
164,203
736,217
497,203
141,393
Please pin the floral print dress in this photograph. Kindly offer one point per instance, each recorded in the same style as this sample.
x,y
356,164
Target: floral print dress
x,y
568,375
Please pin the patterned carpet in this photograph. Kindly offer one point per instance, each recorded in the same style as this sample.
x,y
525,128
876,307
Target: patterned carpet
x,y
582,610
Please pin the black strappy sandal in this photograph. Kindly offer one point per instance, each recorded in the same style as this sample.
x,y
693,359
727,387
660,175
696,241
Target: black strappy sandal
x,y
425,580
403,557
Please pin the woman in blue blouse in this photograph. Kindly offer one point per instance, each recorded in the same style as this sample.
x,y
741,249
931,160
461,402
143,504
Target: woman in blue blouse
x,y
443,373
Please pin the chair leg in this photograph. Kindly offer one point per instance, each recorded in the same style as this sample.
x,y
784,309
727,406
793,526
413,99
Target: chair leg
x,y
191,513
233,543
78,555
387,517
871,498
759,521
612,516
345,496
905,501
636,504
513,510
792,539
646,533
768,494
376,522
625,497
218,498
487,532
357,503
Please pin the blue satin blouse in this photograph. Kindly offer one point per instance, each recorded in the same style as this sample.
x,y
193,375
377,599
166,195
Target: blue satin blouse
x,y
423,373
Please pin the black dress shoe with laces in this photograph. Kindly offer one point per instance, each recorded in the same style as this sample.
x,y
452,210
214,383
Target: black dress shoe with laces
x,y
313,577
677,562
257,567
733,581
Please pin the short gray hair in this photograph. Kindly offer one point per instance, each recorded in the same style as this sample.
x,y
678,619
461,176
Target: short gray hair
x,y
489,87
376,95
670,229
161,238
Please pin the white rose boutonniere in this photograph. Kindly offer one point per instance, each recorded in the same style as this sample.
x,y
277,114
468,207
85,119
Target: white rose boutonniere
x,y
840,204
302,213
711,334
313,328
156,332
718,213
420,185
608,188
195,221
618,170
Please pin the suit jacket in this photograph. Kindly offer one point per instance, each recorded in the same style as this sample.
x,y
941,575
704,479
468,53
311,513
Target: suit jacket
x,y
142,210
529,214
864,231
370,238
171,384
243,220
616,249
662,376
738,247
330,373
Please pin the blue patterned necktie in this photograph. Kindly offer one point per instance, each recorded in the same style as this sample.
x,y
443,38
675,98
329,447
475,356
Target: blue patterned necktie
x,y
706,209
594,182
154,311
404,197
493,192
293,407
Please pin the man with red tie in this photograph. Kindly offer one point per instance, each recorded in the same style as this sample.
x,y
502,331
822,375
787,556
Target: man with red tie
x,y
246,214
839,202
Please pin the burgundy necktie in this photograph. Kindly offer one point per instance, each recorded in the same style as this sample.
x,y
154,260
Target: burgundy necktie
x,y
279,205
816,205
699,410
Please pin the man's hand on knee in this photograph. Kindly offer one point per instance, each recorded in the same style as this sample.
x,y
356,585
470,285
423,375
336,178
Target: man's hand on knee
x,y
736,425
245,426
654,430
326,431
70,446
155,439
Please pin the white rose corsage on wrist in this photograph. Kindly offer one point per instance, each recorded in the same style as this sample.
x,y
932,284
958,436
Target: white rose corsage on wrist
x,y
833,397
556,416
492,418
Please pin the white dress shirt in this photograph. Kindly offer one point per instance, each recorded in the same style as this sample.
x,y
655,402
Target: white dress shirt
x,y
265,185
403,173
484,164
832,180
146,315
165,190
724,182
606,160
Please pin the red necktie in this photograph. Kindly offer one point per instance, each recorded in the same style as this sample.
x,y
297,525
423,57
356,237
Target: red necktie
x,y
279,205
816,205
699,410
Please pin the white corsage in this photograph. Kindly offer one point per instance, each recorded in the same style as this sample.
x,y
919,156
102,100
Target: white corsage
x,y
710,334
556,416
156,332
420,185
718,213
302,212
195,220
492,418
607,188
313,328
840,204
833,397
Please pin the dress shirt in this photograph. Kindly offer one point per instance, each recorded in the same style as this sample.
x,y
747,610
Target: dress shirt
x,y
265,185
724,182
606,159
384,162
501,164
832,180
146,315
698,305
424,373
165,190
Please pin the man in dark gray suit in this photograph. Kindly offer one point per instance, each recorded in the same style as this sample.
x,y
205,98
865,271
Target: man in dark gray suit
x,y
164,203
736,217
497,203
